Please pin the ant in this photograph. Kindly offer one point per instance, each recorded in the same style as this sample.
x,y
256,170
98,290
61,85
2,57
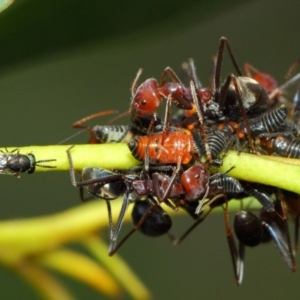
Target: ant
x,y
222,189
147,97
179,189
14,163
252,231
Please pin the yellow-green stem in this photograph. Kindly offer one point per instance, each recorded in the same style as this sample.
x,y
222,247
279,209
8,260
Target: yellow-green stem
x,y
280,172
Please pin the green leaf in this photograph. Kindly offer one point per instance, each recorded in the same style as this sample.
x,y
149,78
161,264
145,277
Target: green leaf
x,y
34,28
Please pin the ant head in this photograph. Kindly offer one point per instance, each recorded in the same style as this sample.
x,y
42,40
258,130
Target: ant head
x,y
146,99
194,181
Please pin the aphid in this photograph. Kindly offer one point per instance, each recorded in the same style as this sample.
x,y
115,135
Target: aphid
x,y
164,147
115,133
282,145
266,123
13,163
261,126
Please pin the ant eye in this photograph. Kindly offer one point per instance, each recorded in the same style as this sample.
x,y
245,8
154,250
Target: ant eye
x,y
144,102
197,176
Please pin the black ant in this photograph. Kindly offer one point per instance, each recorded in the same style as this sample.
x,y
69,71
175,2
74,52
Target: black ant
x,y
109,185
252,231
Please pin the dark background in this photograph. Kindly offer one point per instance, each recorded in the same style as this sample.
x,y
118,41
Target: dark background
x,y
60,61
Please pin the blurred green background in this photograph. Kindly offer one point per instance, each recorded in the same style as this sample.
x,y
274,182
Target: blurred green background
x,y
63,60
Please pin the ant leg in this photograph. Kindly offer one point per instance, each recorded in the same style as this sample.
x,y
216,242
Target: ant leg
x,y
288,83
222,43
266,202
171,73
92,181
292,68
237,256
167,115
78,124
296,233
296,111
200,113
177,241
108,178
249,68
118,117
287,254
155,177
190,69
135,82
113,247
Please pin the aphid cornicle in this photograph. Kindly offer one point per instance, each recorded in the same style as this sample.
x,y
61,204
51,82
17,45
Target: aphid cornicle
x,y
14,163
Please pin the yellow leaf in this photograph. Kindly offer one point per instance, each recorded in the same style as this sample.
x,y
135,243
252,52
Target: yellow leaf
x,y
81,267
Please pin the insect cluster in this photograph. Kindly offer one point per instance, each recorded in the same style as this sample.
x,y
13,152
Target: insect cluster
x,y
180,156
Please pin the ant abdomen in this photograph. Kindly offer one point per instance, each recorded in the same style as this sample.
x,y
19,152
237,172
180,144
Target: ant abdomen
x,y
248,228
157,222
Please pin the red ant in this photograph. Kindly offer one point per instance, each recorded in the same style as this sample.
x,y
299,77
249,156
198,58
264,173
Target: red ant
x,y
166,146
148,97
